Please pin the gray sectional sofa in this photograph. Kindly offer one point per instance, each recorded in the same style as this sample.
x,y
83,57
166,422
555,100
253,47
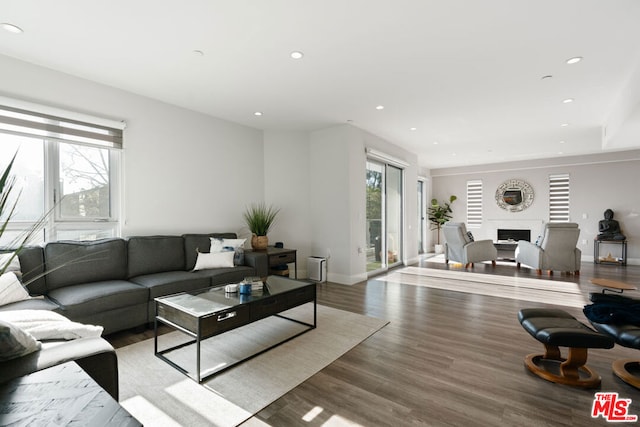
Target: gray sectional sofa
x,y
113,282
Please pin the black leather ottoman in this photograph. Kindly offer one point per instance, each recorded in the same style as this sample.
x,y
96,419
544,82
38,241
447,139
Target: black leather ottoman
x,y
556,328
625,334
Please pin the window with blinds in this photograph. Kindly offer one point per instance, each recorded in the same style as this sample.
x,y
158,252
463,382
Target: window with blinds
x,y
66,170
559,197
474,204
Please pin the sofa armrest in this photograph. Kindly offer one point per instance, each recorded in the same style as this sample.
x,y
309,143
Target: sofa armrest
x,y
95,355
481,250
259,262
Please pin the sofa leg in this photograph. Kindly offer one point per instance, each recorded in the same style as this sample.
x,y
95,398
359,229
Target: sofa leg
x,y
518,265
538,271
493,263
550,272
577,272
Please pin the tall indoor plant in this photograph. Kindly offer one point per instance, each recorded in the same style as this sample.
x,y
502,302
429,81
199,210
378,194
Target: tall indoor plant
x,y
8,203
259,218
438,215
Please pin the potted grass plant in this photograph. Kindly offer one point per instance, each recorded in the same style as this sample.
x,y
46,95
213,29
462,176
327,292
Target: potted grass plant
x,y
259,218
438,215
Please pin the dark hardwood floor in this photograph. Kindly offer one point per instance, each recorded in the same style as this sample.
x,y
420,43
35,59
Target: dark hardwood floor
x,y
445,359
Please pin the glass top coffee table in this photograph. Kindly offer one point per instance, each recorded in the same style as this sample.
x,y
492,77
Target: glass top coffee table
x,y
208,312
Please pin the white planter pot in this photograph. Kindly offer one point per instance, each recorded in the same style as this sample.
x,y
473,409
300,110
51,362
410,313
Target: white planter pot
x,y
439,249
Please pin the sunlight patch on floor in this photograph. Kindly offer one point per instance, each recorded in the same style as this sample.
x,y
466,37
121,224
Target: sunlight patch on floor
x,y
147,413
525,289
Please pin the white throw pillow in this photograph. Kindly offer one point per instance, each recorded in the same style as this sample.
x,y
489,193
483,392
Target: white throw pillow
x,y
11,290
14,265
49,325
14,342
218,245
214,260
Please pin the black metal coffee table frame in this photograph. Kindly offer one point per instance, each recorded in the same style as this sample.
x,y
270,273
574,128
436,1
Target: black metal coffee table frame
x,y
205,313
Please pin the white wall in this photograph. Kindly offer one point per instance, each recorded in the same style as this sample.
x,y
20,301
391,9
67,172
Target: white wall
x,y
183,171
187,172
330,204
338,201
287,186
598,182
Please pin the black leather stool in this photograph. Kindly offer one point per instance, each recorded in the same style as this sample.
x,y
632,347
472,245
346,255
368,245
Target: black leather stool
x,y
556,328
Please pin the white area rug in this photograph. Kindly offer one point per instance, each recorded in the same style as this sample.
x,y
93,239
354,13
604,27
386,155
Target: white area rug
x,y
452,264
159,395
519,288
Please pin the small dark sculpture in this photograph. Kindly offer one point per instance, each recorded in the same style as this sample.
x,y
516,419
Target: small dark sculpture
x,y
609,228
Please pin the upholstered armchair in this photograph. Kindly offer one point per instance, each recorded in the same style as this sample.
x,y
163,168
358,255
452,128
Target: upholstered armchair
x,y
460,247
557,250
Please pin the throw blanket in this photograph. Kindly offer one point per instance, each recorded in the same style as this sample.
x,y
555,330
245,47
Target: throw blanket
x,y
613,309
48,325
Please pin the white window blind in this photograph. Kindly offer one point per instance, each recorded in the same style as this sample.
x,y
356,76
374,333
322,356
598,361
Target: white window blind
x,y
474,204
559,197
36,124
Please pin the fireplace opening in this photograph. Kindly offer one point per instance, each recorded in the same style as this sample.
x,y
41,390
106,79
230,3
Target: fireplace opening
x,y
513,235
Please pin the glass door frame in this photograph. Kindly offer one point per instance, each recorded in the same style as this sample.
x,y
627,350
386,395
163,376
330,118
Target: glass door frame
x,y
383,243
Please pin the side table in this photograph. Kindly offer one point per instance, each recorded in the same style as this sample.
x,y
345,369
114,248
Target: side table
x,y
279,256
619,261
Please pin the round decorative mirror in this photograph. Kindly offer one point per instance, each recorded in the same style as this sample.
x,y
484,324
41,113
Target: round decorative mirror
x,y
514,195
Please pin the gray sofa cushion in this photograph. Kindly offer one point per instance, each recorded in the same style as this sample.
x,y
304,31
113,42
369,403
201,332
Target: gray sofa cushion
x,y
155,254
70,263
32,268
78,301
202,242
223,276
171,282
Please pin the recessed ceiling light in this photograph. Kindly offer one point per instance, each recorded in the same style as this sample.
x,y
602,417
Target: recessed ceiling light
x,y
413,129
564,125
435,142
11,28
297,54
547,77
560,152
574,60
380,107
257,113
561,142
568,100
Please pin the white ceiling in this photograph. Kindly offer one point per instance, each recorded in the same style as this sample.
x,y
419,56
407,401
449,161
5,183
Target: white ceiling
x,y
465,73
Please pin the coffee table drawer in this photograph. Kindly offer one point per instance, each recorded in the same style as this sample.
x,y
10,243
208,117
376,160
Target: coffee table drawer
x,y
225,320
301,296
268,306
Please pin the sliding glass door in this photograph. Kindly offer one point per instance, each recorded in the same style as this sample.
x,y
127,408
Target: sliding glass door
x,y
384,216
421,217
